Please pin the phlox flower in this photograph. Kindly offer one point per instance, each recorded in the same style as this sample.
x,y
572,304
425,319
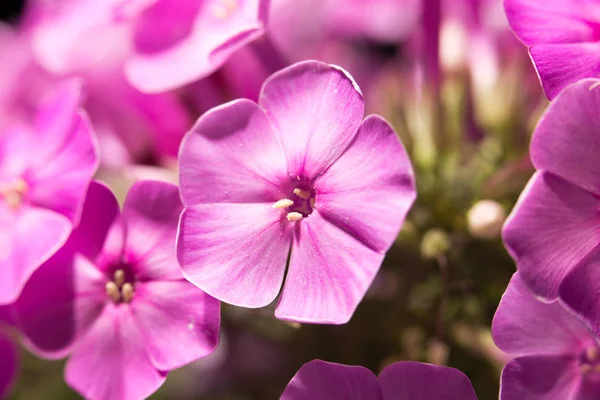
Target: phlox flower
x,y
555,355
114,299
45,170
556,223
404,380
299,169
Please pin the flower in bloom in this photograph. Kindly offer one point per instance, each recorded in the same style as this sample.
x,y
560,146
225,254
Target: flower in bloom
x,y
555,355
555,223
562,36
162,44
404,380
115,300
297,170
45,170
9,365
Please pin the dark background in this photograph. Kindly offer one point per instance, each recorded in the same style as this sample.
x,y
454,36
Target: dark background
x,y
10,9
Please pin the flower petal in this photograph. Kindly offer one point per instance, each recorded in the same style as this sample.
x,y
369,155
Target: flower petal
x,y
566,141
152,212
539,378
368,191
321,380
328,275
231,155
553,226
9,365
525,325
111,362
234,252
316,109
179,322
421,381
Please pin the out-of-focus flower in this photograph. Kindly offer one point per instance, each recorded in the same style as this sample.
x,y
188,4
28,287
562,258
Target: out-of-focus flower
x,y
298,170
555,355
562,36
9,365
161,44
45,170
485,219
555,223
404,380
114,298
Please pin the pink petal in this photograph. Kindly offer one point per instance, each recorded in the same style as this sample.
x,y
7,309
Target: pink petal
x,y
111,362
558,65
525,325
316,109
566,141
553,226
152,211
328,275
421,381
9,365
20,256
232,155
179,322
234,252
320,380
211,39
368,191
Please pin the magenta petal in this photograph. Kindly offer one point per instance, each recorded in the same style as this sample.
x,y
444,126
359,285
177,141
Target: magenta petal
x,y
328,275
20,256
316,108
566,141
553,226
111,362
524,325
152,212
368,191
234,252
420,381
179,322
321,380
9,365
539,378
231,155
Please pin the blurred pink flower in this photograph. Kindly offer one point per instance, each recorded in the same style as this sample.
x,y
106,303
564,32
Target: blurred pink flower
x,y
45,170
115,300
9,365
298,169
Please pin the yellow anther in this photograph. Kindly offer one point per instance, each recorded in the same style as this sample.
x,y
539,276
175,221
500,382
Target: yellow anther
x,y
294,216
283,203
112,291
119,277
224,8
127,292
591,353
303,194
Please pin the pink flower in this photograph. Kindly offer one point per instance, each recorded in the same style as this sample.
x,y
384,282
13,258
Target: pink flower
x,y
297,170
45,170
161,44
405,380
9,365
115,300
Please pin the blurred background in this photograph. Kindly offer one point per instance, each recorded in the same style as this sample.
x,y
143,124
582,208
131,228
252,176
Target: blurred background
x,y
460,92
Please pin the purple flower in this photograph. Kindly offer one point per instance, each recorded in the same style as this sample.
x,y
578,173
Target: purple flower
x,y
115,300
556,222
161,44
562,36
555,355
405,380
45,170
297,170
9,365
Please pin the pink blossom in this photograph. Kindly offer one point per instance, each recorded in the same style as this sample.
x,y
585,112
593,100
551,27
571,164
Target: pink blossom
x,y
297,170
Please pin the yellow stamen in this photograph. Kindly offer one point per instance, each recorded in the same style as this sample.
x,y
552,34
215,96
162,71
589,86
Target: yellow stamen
x,y
127,292
112,291
225,8
119,277
591,353
283,203
294,216
303,194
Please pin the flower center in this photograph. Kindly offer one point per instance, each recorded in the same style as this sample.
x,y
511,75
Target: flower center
x,y
119,289
300,203
589,361
14,192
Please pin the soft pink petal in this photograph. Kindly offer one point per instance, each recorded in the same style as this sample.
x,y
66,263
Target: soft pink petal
x,y
179,322
235,252
368,191
111,361
525,325
321,380
328,275
553,226
566,141
232,155
316,109
9,365
420,381
152,211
